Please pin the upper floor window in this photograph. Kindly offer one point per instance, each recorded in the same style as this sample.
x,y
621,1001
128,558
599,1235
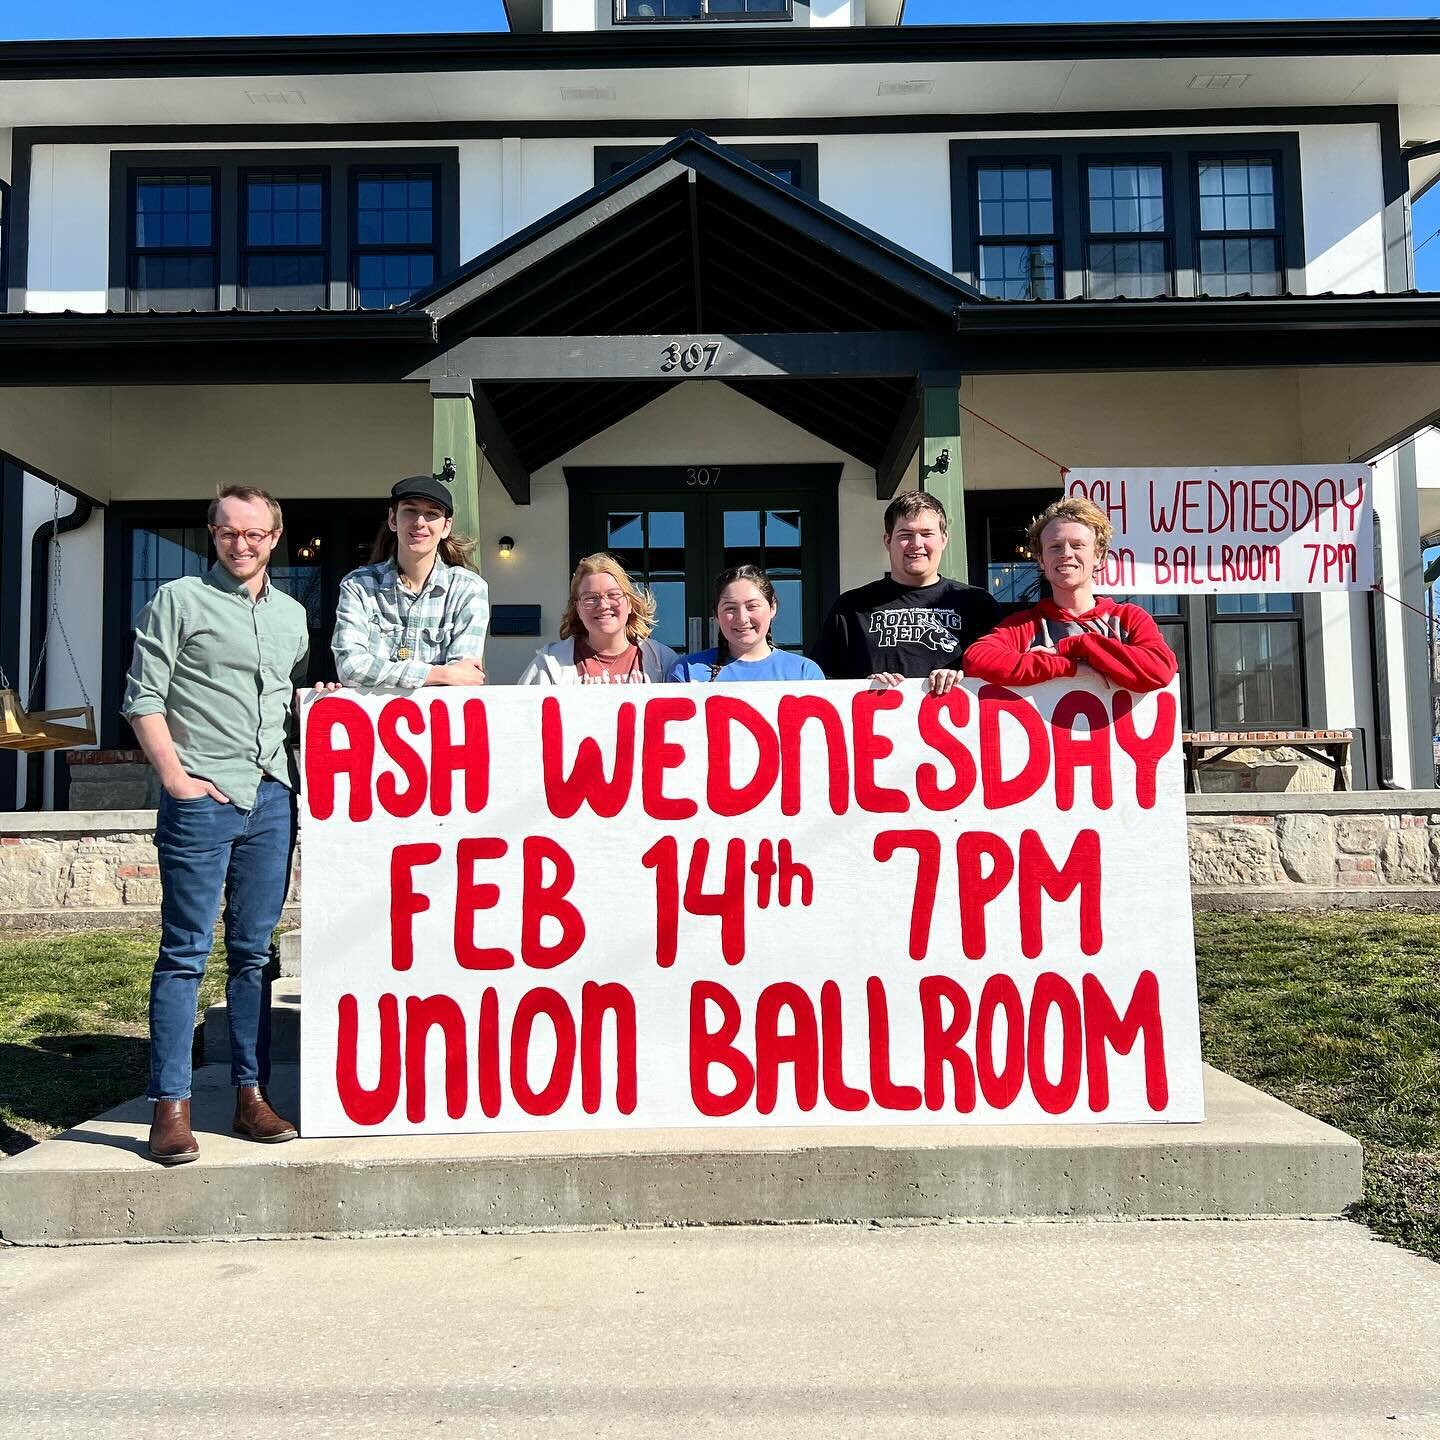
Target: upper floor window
x,y
1127,252
630,12
797,165
174,257
395,247
1016,202
1239,227
268,230
283,260
1112,218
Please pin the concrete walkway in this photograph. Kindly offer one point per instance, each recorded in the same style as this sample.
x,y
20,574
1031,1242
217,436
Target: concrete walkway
x,y
1269,1328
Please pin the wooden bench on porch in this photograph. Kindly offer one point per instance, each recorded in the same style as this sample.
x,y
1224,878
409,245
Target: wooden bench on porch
x,y
1204,748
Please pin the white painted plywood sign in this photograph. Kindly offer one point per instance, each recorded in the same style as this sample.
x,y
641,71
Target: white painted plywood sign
x,y
1235,529
745,905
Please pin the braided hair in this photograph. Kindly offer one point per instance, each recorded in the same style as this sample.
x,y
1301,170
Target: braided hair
x,y
723,581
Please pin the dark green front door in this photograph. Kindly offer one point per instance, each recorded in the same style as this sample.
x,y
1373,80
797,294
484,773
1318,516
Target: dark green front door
x,y
675,528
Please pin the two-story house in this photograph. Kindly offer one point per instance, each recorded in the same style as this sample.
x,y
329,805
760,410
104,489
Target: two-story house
x,y
704,282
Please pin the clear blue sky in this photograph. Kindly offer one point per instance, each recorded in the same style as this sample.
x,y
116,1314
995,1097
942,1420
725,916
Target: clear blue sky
x,y
56,19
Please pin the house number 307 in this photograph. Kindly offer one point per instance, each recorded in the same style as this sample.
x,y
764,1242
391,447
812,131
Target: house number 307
x,y
695,356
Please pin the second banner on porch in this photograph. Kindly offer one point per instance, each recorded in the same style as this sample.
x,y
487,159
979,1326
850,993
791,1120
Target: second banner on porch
x,y
1234,529
757,905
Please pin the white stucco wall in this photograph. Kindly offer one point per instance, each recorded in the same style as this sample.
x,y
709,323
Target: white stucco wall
x,y
1344,208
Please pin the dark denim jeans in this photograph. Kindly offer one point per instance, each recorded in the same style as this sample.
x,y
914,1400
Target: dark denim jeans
x,y
206,848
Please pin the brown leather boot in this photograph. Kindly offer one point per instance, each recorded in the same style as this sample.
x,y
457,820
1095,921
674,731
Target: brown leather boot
x,y
255,1120
171,1140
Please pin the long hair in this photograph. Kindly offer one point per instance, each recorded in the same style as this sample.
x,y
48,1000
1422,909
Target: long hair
x,y
642,604
723,581
457,550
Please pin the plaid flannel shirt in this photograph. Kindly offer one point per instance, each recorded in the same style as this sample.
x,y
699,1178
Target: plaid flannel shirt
x,y
376,620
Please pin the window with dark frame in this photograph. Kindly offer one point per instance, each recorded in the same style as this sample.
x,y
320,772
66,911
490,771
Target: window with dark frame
x,y
652,12
1019,203
283,241
1131,222
173,242
1127,250
796,165
1257,676
1239,243
278,229
394,234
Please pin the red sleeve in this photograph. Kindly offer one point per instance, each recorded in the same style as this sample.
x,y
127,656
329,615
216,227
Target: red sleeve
x,y
1004,656
1141,663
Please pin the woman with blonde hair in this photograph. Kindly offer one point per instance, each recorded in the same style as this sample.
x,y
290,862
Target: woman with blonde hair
x,y
604,633
1069,541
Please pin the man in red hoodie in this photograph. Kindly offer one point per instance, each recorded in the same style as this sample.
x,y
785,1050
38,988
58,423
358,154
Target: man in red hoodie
x,y
1053,639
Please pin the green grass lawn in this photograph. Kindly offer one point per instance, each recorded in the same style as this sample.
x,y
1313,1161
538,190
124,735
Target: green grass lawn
x,y
1338,1015
73,1027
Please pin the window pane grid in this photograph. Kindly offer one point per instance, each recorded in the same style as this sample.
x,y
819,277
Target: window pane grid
x,y
1125,206
283,234
1239,247
172,232
658,10
394,226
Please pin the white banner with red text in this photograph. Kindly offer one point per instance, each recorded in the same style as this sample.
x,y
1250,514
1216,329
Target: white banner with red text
x,y
756,904
1234,529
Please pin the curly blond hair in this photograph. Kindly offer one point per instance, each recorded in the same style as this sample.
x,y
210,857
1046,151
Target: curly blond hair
x,y
1072,507
642,604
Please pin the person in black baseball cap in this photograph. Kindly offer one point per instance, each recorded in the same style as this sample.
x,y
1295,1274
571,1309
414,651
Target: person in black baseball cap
x,y
418,613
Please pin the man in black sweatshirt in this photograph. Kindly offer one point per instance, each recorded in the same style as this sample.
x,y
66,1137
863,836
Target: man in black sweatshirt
x,y
913,623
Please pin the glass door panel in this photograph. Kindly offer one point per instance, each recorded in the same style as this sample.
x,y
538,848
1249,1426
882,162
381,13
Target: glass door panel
x,y
654,540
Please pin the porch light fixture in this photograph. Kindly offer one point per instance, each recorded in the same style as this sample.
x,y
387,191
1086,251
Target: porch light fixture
x,y
506,546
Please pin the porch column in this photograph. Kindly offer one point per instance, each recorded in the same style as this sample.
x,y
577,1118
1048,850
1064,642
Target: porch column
x,y
941,470
452,438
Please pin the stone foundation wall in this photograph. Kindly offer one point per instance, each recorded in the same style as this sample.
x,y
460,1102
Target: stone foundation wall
x,y
1266,851
83,869
72,870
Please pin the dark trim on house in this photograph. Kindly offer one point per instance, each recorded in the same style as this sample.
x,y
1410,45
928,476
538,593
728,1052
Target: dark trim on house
x,y
1395,178
229,167
18,249
375,54
12,551
806,158
6,230
1177,152
283,347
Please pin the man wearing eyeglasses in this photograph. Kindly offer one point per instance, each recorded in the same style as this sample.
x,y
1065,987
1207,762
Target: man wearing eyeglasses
x,y
217,659
417,614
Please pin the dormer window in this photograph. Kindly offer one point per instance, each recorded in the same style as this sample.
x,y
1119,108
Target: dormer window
x,y
681,12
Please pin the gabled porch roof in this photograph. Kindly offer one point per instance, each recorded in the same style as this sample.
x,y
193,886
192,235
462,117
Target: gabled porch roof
x,y
692,241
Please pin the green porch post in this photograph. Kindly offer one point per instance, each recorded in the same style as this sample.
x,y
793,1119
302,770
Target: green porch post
x,y
941,470
452,439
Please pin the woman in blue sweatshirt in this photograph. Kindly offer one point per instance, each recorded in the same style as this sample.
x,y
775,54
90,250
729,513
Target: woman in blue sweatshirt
x,y
745,606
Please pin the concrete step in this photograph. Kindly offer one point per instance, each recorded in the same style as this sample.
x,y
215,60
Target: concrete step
x,y
1252,1157
284,1026
289,946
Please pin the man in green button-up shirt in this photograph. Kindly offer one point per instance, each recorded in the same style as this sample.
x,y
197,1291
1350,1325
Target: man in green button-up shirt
x,y
217,659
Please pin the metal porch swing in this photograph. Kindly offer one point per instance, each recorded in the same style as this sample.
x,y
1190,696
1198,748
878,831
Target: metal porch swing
x,y
38,730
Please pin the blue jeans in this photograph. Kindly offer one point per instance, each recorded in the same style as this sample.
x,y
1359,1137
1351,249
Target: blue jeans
x,y
206,848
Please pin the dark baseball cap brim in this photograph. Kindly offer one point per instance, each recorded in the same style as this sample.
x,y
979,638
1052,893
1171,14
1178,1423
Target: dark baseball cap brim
x,y
423,487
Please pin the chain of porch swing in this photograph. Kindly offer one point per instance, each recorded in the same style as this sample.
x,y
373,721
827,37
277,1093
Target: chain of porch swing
x,y
54,619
